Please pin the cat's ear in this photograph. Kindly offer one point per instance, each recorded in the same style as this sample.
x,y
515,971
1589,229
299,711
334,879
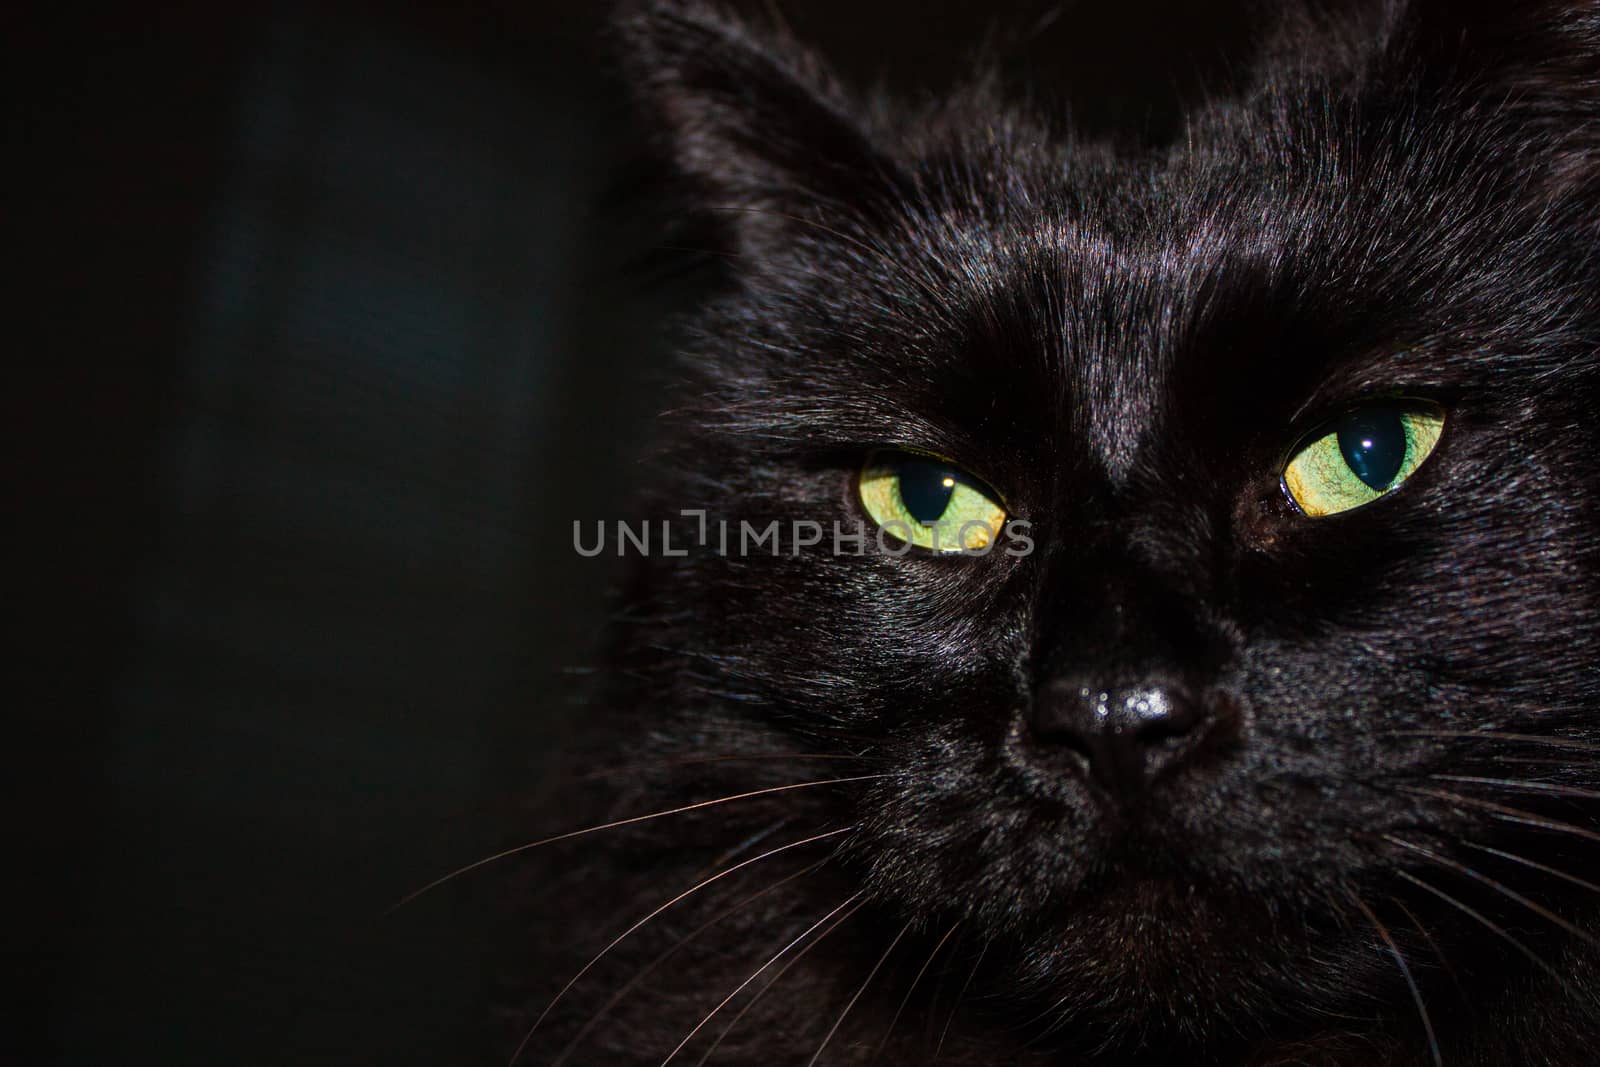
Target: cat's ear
x,y
1529,67
753,123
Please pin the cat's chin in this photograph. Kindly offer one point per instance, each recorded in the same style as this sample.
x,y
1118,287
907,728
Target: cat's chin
x,y
1153,956
1124,933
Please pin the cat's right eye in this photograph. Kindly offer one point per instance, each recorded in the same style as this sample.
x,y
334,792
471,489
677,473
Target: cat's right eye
x,y
930,503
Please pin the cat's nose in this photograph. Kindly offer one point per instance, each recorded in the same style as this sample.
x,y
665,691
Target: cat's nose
x,y
1125,736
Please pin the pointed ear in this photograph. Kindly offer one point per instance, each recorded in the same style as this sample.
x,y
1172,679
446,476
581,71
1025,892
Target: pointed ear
x,y
1533,64
752,122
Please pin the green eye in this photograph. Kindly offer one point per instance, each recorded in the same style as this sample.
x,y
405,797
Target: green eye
x,y
1363,456
929,503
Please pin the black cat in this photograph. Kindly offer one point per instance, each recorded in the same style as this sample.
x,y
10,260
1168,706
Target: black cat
x,y
1252,719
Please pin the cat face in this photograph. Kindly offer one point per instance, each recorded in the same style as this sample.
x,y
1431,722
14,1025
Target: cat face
x,y
1300,413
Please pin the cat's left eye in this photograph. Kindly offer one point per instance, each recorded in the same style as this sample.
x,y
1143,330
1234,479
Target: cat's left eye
x,y
1366,454
930,503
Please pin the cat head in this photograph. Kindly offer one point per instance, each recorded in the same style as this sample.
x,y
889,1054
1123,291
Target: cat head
x,y
1300,413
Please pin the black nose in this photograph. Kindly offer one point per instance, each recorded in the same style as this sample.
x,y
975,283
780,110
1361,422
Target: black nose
x,y
1126,736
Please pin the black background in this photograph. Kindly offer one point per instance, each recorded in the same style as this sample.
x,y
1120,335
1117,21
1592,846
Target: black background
x,y
325,334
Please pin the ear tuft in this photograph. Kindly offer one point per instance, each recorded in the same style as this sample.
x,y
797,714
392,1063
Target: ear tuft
x,y
749,118
1532,66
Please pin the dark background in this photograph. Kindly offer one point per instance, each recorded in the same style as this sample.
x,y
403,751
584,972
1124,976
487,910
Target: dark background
x,y
329,333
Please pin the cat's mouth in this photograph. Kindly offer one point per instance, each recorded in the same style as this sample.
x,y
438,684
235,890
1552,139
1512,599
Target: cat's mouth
x,y
1189,870
1215,883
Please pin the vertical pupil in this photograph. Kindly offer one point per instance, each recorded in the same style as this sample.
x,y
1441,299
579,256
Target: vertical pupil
x,y
926,488
1373,443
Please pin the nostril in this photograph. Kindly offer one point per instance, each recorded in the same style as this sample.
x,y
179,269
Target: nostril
x,y
1076,721
1126,736
1160,735
1160,716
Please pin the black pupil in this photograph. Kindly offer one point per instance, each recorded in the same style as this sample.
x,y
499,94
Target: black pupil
x,y
926,488
1373,443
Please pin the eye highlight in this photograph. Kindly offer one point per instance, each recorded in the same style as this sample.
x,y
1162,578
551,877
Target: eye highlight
x,y
929,503
1364,455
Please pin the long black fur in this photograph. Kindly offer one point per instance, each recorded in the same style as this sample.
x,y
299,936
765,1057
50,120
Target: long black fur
x,y
1404,202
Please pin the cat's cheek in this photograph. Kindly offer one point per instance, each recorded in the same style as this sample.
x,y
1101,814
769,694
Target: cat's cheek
x,y
953,832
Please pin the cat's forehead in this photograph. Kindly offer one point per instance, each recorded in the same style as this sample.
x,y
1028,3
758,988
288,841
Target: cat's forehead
x,y
1110,290
1204,284
1125,322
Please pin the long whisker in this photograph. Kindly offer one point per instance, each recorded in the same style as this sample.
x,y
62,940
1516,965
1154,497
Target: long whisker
x,y
1510,894
569,835
1405,972
1523,785
1489,925
741,848
1485,735
1051,1011
650,967
1526,862
912,988
1551,763
694,761
686,893
854,899
959,998
937,997
817,1055
1433,944
1504,812
771,982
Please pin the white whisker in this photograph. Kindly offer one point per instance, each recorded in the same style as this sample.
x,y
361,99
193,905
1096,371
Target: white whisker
x,y
1405,972
817,1055
853,899
913,988
955,1008
686,893
569,835
650,967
